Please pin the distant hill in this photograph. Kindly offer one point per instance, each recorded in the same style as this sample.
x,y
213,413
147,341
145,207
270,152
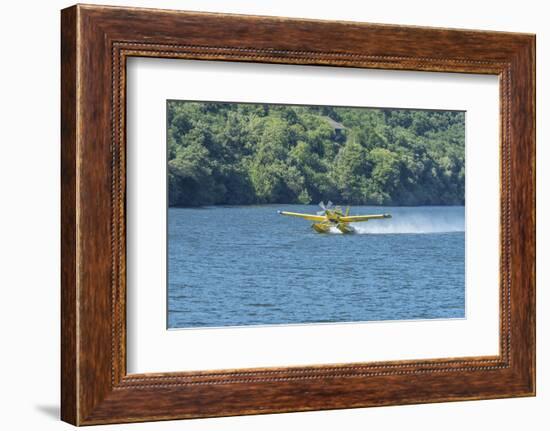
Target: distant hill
x,y
231,153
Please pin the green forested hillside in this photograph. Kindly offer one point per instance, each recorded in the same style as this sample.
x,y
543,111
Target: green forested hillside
x,y
228,153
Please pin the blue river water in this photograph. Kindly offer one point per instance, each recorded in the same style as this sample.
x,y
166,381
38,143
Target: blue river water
x,y
247,265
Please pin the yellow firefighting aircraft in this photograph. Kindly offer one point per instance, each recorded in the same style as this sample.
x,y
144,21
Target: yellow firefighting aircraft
x,y
334,217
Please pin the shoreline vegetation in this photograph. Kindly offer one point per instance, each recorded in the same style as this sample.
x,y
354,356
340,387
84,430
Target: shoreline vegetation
x,y
244,154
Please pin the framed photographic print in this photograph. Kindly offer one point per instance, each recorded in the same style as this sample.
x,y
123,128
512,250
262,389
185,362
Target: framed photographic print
x,y
266,215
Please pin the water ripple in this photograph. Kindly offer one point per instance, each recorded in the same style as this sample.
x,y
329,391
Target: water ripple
x,y
234,266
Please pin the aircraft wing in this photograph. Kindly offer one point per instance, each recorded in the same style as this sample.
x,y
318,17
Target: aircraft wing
x,y
353,219
311,217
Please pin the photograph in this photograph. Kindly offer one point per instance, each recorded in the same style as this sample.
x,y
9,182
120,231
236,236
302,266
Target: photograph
x,y
277,210
299,214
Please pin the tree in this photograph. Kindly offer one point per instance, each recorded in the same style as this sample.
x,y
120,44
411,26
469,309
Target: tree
x,y
350,170
231,153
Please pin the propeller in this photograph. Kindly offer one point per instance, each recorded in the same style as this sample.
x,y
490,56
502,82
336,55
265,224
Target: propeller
x,y
324,207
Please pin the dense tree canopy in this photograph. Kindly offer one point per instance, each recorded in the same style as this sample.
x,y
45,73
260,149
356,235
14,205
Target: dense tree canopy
x,y
231,153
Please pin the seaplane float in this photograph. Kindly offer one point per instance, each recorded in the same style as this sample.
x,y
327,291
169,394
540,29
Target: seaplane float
x,y
332,216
